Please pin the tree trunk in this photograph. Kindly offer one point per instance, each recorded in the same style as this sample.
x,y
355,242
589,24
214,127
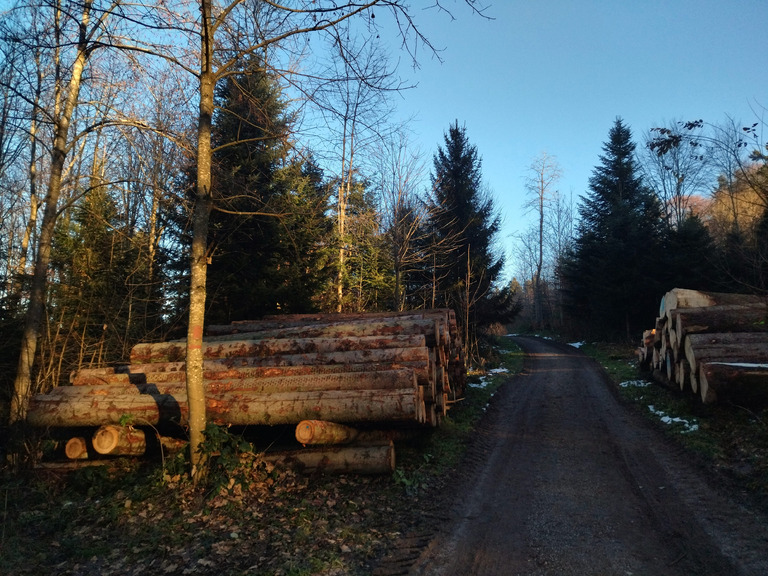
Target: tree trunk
x,y
371,380
720,318
76,448
749,347
198,256
722,378
138,379
429,328
323,432
684,298
416,358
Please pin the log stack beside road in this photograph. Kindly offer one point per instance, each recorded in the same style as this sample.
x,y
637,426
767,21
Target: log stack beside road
x,y
714,344
356,370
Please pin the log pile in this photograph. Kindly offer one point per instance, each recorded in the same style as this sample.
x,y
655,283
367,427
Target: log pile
x,y
336,370
710,343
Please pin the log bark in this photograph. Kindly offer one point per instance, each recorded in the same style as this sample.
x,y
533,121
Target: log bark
x,y
429,328
370,380
211,375
721,319
750,347
669,366
685,298
176,351
213,368
236,408
119,441
724,378
354,459
683,373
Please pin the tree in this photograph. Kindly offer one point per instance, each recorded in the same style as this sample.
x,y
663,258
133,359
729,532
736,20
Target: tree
x,y
269,217
86,33
735,155
544,175
353,101
463,216
264,32
677,173
610,276
401,172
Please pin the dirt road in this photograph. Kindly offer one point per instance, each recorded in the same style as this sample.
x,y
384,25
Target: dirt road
x,y
565,480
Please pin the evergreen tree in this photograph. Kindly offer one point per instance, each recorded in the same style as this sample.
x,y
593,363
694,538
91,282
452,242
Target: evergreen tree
x,y
106,296
464,223
611,276
269,219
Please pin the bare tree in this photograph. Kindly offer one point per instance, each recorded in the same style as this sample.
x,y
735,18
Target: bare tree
x,y
402,173
678,174
544,175
86,28
352,98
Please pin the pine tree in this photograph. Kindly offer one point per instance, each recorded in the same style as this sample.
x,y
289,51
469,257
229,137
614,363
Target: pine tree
x,y
610,277
464,223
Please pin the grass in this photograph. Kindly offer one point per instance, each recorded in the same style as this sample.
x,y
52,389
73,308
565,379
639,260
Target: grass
x,y
443,448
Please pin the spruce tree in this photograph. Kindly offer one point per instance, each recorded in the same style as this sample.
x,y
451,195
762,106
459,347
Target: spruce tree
x,y
465,224
269,215
610,277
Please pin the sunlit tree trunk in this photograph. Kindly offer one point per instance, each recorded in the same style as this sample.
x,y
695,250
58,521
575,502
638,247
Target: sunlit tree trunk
x,y
198,259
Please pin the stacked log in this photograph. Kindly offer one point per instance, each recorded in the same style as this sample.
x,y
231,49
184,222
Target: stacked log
x,y
338,369
713,344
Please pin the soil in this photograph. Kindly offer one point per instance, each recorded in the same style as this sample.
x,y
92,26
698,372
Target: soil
x,y
564,479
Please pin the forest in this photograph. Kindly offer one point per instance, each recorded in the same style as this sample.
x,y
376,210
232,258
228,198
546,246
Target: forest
x,y
169,165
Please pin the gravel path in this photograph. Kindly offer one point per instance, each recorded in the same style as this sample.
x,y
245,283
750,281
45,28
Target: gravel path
x,y
564,480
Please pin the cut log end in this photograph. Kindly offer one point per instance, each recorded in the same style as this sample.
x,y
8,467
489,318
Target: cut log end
x,y
323,432
76,448
119,441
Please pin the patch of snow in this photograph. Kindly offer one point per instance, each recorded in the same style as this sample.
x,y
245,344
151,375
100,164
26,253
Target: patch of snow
x,y
577,344
635,383
666,419
482,384
497,370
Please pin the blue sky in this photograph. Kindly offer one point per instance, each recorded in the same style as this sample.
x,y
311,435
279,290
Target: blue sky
x,y
553,75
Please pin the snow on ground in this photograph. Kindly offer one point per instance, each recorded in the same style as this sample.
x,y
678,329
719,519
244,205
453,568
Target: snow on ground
x,y
576,344
484,379
687,425
635,383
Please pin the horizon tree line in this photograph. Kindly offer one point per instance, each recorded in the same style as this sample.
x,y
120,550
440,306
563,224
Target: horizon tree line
x,y
687,209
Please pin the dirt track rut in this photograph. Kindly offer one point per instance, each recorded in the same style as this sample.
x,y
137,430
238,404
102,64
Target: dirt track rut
x,y
564,480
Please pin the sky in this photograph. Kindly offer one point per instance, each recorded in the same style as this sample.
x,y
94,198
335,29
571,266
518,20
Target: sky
x,y
553,75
